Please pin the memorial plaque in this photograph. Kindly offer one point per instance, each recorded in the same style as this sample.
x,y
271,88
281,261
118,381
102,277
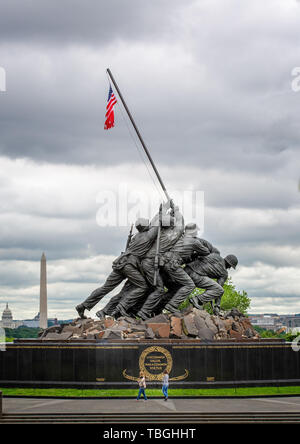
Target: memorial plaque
x,y
153,361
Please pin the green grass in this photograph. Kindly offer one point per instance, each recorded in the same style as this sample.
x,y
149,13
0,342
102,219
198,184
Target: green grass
x,y
239,391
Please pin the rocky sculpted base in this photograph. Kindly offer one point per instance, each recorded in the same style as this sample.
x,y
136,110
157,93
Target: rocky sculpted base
x,y
189,324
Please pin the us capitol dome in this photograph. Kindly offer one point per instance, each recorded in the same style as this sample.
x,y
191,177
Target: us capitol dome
x,y
7,319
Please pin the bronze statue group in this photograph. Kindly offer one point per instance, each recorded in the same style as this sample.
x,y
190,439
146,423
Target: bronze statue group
x,y
162,265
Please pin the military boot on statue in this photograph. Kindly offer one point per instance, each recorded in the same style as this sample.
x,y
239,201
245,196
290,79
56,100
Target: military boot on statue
x,y
171,309
142,315
80,310
115,314
216,310
195,302
100,314
217,306
123,312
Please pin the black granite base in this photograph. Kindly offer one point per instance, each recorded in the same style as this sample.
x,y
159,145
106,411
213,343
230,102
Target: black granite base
x,y
191,364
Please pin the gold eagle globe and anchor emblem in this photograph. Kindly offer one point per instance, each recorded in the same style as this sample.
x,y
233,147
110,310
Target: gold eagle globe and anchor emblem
x,y
153,362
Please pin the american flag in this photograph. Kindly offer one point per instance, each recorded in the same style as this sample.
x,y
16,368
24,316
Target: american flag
x,y
110,116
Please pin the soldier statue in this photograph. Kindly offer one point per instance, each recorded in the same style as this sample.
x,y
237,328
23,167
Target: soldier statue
x,y
203,271
162,255
127,265
172,228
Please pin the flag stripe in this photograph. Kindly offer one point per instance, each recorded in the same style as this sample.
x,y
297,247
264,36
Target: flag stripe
x,y
110,106
110,115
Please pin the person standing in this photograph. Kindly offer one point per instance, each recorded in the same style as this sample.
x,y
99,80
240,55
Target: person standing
x,y
165,384
142,386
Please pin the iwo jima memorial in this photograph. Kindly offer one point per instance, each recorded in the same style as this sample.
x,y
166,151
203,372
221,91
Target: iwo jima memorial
x,y
144,328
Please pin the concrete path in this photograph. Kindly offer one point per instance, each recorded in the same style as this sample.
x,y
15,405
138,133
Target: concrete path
x,y
29,405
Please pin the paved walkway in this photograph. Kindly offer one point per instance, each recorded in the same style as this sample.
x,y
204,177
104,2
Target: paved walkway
x,y
26,405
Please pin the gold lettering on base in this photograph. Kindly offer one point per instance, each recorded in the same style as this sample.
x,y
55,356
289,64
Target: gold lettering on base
x,y
153,362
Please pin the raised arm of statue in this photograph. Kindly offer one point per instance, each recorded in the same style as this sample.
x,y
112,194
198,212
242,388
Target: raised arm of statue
x,y
165,208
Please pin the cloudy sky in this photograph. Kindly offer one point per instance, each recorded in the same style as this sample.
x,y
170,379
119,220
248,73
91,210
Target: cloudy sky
x,y
210,85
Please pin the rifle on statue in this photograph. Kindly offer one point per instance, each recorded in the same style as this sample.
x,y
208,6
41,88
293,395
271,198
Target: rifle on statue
x,y
129,237
156,260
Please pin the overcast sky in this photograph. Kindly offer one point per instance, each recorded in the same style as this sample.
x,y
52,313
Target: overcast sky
x,y
209,83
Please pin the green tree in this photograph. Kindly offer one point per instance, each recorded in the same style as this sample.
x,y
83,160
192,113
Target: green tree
x,y
22,332
232,298
264,333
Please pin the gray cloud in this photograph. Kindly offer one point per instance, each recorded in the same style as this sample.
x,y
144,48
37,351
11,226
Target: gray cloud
x,y
96,22
226,94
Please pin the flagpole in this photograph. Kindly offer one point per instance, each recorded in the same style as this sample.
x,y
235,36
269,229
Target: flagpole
x,y
138,134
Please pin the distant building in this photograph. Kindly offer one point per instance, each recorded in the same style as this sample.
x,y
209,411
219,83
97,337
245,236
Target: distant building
x,y
7,319
35,322
291,322
31,323
273,321
267,321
